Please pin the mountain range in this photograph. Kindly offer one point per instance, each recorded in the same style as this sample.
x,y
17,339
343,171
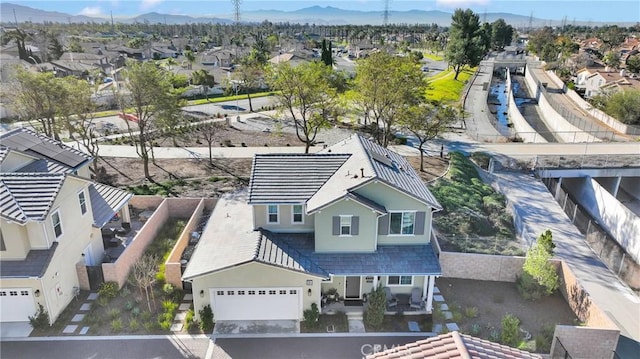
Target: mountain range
x,y
319,15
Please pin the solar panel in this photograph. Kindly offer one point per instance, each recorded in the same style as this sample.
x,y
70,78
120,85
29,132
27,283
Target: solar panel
x,y
381,158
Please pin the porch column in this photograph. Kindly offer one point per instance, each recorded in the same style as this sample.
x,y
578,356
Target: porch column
x,y
428,291
126,215
375,281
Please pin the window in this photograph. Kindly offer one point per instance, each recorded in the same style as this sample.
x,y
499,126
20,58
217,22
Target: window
x,y
252,292
57,225
262,292
241,292
3,247
282,291
293,291
272,213
83,202
272,292
345,225
400,280
24,292
220,292
296,211
401,222
229,292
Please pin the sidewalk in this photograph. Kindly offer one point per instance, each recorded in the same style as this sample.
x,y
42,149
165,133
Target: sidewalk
x,y
539,211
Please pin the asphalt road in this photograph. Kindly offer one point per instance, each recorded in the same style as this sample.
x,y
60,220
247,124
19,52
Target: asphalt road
x,y
165,348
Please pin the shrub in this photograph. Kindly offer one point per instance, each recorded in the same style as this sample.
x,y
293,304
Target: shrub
x,y
108,290
190,320
376,305
206,318
133,324
539,276
125,292
544,338
475,330
113,313
471,312
311,316
41,319
510,331
146,315
149,326
135,311
116,325
129,305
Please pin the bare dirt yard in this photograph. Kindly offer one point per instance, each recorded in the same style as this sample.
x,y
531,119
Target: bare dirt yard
x,y
197,178
495,299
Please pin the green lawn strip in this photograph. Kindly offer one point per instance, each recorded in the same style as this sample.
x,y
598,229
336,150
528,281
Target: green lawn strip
x,y
433,57
472,209
443,87
193,102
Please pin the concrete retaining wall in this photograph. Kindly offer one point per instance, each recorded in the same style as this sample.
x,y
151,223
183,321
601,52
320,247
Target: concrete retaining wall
x,y
594,112
554,121
520,124
480,266
583,342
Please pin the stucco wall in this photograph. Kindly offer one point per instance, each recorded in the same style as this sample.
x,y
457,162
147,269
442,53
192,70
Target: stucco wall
x,y
584,342
554,121
285,219
394,200
256,275
16,240
520,124
364,241
480,266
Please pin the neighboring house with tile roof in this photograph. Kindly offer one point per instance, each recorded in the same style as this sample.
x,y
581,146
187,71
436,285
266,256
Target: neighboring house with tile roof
x,y
350,217
453,345
50,222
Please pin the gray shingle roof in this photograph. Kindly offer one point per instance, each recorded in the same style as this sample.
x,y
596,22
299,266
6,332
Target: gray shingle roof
x,y
290,178
105,202
34,265
400,174
26,196
387,259
30,142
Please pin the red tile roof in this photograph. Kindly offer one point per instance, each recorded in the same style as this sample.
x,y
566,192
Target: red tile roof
x,y
453,346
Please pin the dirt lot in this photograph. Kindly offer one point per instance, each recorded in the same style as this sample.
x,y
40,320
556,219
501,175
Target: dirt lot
x,y
204,179
495,299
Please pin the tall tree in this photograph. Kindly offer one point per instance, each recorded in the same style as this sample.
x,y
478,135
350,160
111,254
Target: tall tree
x,y
501,34
307,95
55,48
633,64
249,76
36,96
465,46
155,105
426,121
325,56
386,87
190,57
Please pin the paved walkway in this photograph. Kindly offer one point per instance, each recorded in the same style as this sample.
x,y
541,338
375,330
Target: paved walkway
x,y
479,123
539,211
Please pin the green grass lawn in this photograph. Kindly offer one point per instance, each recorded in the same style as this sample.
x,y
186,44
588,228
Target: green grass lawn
x,y
443,87
433,57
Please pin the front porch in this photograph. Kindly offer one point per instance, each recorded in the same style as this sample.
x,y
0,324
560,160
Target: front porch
x,y
408,294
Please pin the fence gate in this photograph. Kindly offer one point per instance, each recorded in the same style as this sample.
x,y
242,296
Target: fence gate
x,y
95,277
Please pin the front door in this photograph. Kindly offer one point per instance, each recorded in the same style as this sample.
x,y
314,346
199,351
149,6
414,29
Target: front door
x,y
352,288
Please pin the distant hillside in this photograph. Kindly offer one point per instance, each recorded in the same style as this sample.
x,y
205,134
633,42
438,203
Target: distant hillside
x,y
320,15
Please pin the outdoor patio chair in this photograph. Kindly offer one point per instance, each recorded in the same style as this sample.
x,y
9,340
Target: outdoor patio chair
x,y
392,301
416,302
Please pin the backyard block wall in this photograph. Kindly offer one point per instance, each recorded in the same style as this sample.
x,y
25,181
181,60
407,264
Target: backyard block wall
x,y
584,342
119,271
173,267
480,266
145,202
83,276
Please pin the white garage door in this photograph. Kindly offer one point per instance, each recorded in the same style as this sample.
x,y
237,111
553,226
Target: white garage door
x,y
256,303
16,305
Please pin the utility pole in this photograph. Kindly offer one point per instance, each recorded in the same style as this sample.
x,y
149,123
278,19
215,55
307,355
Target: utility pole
x,y
14,17
385,14
113,27
531,21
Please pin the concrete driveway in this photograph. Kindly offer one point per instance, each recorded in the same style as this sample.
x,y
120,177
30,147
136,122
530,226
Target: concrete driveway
x,y
15,330
240,328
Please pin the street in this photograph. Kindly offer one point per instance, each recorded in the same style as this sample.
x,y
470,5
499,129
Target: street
x,y
123,347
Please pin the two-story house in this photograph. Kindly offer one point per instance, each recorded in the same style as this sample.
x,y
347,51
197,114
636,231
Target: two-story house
x,y
50,222
351,217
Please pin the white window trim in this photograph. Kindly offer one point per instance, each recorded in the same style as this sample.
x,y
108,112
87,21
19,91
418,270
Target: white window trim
x,y
277,214
293,214
53,226
401,234
350,225
399,281
86,206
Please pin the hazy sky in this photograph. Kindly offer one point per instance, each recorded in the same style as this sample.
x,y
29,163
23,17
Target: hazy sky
x,y
586,10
